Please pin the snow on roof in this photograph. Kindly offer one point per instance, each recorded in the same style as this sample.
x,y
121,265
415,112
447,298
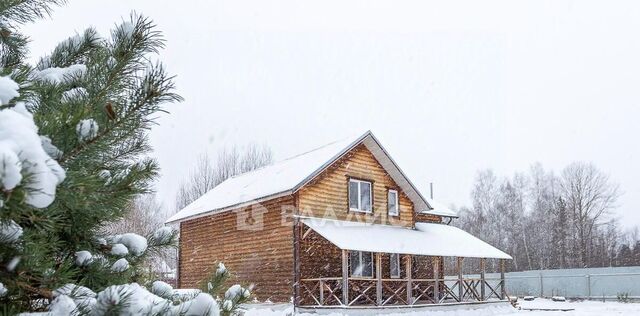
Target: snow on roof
x,y
439,209
268,181
428,239
285,177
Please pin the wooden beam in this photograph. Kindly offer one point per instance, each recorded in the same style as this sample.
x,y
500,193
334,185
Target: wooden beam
x,y
436,277
378,278
503,290
345,277
409,273
482,278
296,262
460,280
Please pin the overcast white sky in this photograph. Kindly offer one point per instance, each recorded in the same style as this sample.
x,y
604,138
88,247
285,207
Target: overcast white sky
x,y
449,87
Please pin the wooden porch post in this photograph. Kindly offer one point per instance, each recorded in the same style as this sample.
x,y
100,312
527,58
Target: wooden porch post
x,y
378,278
408,267
436,277
345,277
503,290
460,280
482,278
296,262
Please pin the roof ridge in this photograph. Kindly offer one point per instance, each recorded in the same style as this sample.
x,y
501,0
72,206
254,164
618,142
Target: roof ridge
x,y
290,157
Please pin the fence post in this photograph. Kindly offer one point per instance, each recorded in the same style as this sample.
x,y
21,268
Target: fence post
x,y
541,286
588,286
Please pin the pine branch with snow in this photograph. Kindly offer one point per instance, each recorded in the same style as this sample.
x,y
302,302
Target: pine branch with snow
x,y
233,297
73,139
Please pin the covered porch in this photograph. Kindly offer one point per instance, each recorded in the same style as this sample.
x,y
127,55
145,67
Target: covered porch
x,y
355,265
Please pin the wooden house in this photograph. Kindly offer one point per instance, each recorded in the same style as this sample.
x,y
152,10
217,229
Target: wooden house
x,y
340,225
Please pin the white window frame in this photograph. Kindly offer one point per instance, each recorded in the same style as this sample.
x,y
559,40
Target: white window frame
x,y
359,209
361,254
397,210
391,262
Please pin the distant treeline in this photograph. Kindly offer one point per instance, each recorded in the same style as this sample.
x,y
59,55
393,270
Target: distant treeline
x,y
549,221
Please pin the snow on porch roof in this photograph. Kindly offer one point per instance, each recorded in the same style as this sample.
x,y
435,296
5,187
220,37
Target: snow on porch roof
x,y
428,239
287,176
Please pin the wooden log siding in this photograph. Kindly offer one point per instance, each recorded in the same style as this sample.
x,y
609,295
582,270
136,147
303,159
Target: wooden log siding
x,y
329,192
428,218
263,257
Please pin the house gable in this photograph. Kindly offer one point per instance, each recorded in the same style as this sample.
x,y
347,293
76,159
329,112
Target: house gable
x,y
291,175
328,193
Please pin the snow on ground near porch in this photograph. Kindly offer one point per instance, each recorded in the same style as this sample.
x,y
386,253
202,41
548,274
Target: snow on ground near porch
x,y
581,308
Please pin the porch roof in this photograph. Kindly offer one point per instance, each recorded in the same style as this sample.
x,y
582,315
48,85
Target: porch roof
x,y
428,239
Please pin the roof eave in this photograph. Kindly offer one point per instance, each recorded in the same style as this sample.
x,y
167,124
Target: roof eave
x,y
231,207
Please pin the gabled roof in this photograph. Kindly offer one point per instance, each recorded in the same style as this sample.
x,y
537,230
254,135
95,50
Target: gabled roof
x,y
289,175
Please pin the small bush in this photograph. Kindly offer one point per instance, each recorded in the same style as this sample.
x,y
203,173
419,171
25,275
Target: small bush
x,y
623,297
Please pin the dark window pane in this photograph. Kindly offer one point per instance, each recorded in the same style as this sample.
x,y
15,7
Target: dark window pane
x,y
353,194
367,263
354,258
365,196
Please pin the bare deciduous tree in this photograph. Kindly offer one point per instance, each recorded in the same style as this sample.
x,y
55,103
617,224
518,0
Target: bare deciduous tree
x,y
208,172
145,217
589,196
546,221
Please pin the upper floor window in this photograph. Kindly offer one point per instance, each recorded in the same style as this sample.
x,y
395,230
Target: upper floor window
x,y
360,196
392,202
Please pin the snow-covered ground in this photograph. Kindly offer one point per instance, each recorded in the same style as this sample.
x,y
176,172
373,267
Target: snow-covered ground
x,y
584,308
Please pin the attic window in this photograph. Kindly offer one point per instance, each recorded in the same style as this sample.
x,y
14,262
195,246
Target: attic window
x,y
392,202
359,196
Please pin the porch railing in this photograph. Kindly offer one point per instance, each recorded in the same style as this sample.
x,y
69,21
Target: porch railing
x,y
365,291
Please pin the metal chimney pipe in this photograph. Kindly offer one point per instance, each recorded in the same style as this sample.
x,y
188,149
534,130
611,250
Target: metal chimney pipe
x,y
431,189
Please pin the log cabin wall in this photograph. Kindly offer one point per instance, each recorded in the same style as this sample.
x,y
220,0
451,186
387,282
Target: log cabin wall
x,y
428,218
327,195
320,258
423,267
263,257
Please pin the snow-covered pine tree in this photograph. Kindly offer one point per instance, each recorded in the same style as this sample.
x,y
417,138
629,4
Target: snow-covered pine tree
x,y
73,138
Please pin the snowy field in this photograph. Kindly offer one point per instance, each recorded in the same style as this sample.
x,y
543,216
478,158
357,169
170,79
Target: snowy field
x,y
586,308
